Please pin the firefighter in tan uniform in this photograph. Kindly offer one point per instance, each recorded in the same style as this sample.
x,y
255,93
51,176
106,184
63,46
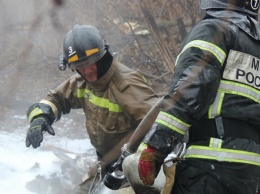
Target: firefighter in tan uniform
x,y
114,97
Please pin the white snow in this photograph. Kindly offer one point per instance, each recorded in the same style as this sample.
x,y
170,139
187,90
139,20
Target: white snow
x,y
20,165
17,161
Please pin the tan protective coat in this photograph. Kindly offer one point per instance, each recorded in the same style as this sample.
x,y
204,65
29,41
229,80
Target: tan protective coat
x,y
108,129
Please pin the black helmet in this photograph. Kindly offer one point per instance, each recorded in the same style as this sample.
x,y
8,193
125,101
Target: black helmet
x,y
83,45
247,6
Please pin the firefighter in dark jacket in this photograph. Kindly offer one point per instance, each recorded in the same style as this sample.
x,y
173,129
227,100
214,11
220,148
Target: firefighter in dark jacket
x,y
113,97
216,89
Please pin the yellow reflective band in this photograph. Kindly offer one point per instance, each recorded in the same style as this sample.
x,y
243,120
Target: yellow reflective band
x,y
235,88
203,45
98,101
142,146
91,51
223,155
172,122
215,143
215,108
35,112
73,58
240,89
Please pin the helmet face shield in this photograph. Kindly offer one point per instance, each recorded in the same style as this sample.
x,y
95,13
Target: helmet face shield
x,y
83,45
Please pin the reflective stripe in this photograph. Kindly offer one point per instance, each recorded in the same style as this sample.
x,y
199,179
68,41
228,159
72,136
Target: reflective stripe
x,y
53,107
240,89
92,51
73,58
215,143
172,122
215,108
141,147
203,45
229,87
35,112
98,101
221,154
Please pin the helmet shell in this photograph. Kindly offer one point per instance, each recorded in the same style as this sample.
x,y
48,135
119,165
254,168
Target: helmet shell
x,y
250,7
83,45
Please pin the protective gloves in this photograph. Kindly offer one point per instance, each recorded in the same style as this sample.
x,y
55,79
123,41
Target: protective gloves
x,y
41,118
35,133
149,165
115,178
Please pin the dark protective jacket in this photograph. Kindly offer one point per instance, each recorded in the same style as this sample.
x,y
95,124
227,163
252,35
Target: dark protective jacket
x,y
113,105
216,88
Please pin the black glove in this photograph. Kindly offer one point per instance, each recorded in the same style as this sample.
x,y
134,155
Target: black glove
x,y
115,178
41,118
35,133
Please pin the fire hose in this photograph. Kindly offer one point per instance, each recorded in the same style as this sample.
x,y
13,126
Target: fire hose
x,y
111,180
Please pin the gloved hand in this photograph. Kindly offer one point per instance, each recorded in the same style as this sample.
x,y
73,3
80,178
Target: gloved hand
x,y
115,178
38,126
41,117
149,165
35,133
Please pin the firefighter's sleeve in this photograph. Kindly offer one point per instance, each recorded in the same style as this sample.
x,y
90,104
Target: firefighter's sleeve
x,y
194,85
63,98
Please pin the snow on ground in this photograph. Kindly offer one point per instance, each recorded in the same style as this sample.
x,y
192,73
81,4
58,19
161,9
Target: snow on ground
x,y
17,162
20,165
